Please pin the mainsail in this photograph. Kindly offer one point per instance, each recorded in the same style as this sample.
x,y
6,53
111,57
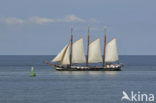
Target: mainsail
x,y
60,55
111,54
78,54
94,55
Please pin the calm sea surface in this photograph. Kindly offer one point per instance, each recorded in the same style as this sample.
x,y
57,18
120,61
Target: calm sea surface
x,y
50,86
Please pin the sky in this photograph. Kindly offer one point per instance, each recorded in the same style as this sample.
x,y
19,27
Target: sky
x,y
42,27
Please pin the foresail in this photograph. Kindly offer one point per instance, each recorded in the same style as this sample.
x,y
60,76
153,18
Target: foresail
x,y
78,54
94,55
111,54
60,55
65,59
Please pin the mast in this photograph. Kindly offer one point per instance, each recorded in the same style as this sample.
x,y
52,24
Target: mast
x,y
71,43
88,47
104,50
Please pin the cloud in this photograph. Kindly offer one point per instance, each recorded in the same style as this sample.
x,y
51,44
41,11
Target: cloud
x,y
93,20
11,20
70,18
99,28
67,18
40,20
43,20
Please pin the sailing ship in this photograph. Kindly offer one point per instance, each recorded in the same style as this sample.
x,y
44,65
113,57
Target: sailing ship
x,y
72,56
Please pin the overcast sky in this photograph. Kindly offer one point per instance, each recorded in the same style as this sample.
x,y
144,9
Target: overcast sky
x,y
42,27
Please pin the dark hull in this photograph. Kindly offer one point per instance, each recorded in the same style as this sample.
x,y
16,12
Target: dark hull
x,y
99,69
83,68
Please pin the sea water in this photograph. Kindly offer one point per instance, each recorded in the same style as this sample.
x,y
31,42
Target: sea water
x,y
51,86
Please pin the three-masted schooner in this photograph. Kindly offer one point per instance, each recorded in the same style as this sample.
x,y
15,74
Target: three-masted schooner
x,y
72,56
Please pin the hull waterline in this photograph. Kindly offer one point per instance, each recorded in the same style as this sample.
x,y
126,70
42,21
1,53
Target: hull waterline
x,y
89,68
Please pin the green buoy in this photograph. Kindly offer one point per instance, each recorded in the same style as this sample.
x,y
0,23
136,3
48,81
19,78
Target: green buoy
x,y
32,74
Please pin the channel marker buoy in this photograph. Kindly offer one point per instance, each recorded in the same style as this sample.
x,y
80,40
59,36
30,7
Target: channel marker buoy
x,y
32,74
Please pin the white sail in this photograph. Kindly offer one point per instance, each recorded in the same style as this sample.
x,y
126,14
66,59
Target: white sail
x,y
78,54
60,55
94,55
65,59
111,54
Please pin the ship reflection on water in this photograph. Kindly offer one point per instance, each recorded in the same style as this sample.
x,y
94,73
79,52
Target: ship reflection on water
x,y
111,72
70,73
89,73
